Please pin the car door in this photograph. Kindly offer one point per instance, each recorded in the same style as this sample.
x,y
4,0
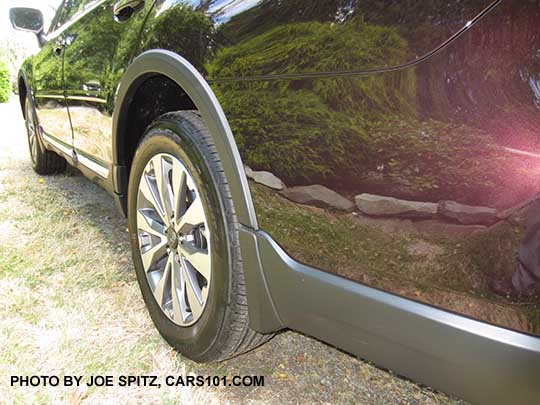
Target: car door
x,y
99,45
407,135
405,132
48,85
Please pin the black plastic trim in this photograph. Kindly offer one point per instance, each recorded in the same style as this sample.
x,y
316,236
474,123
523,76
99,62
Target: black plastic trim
x,y
471,359
178,69
263,315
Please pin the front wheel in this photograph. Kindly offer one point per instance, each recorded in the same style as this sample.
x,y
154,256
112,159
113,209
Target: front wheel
x,y
184,237
43,161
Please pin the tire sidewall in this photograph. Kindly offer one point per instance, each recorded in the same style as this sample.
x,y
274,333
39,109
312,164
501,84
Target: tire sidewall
x,y
175,138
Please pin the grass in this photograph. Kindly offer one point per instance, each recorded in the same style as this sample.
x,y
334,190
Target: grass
x,y
70,304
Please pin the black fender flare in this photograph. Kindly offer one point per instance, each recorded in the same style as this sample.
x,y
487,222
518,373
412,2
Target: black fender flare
x,y
22,77
178,69
262,312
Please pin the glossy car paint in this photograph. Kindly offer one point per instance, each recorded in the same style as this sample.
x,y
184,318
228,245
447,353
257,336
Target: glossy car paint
x,y
422,101
48,91
361,98
474,360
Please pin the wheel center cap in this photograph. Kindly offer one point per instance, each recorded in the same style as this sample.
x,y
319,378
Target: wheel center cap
x,y
172,238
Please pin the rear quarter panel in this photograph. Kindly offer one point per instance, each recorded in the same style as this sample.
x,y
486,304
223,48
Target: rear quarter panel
x,y
362,99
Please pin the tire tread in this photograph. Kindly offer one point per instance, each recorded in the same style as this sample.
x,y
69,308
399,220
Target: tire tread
x,y
47,162
235,337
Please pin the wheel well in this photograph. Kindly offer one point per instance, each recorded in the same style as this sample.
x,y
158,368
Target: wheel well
x,y
22,95
154,96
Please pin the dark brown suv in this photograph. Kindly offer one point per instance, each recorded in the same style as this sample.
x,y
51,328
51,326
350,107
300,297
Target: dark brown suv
x,y
365,172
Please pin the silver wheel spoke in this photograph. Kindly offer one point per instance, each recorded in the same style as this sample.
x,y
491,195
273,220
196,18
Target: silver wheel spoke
x,y
161,170
33,144
159,291
194,216
146,223
174,239
180,309
179,177
151,195
199,259
193,292
30,127
152,255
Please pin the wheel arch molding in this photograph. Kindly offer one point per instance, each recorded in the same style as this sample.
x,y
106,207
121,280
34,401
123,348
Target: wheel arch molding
x,y
174,67
262,312
24,89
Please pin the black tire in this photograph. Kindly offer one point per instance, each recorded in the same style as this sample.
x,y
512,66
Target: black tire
x,y
44,162
223,329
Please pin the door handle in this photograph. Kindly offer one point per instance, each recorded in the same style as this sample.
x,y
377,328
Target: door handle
x,y
91,87
59,48
123,10
63,42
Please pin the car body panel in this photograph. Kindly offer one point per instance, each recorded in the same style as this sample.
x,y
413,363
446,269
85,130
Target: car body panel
x,y
425,114
452,129
482,363
243,31
83,101
441,155
97,52
48,92
423,124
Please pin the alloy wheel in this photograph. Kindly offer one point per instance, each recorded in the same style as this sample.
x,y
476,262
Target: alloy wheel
x,y
174,239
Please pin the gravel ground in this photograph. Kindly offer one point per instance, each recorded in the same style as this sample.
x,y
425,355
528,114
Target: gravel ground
x,y
70,305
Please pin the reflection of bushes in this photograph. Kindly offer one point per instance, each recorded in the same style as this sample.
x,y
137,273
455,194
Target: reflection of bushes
x,y
353,133
293,133
272,13
325,47
182,30
48,68
88,58
5,83
304,130
423,24
350,133
314,47
297,135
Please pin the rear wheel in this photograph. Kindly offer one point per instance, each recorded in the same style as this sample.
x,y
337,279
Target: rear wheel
x,y
43,161
174,239
185,243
